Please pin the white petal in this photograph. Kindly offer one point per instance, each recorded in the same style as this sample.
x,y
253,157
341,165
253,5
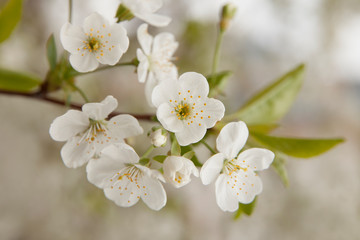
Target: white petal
x,y
84,62
100,111
224,198
166,91
72,37
124,193
68,125
153,194
167,117
195,82
110,56
144,38
174,165
124,125
75,153
212,168
165,45
119,37
190,134
256,158
232,139
150,84
113,158
154,19
95,22
143,6
143,66
213,111
244,185
165,71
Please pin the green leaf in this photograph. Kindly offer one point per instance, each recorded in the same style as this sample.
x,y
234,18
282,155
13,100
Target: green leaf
x,y
51,52
160,158
271,104
10,15
217,82
262,128
189,154
297,147
248,209
186,150
279,167
175,147
19,82
144,161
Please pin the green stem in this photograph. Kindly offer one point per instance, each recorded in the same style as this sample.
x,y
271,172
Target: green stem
x,y
70,10
83,95
208,147
217,52
148,151
132,63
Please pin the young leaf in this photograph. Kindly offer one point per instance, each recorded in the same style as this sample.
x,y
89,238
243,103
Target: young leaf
x,y
10,15
19,82
189,154
144,161
217,82
51,52
186,150
160,158
297,147
175,147
279,167
271,104
262,128
248,209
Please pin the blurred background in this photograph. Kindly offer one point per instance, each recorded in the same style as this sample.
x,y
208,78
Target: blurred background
x,y
42,199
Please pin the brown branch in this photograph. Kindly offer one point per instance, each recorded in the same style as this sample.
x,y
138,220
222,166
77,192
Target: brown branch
x,y
40,96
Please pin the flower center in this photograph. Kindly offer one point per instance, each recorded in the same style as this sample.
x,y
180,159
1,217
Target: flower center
x,y
93,44
95,128
230,167
132,173
182,111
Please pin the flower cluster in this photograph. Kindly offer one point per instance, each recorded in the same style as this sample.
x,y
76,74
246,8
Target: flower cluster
x,y
183,108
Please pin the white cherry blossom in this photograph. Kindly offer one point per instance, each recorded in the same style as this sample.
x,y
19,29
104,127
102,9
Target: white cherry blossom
x,y
124,180
145,10
184,108
96,42
177,170
155,59
87,132
237,180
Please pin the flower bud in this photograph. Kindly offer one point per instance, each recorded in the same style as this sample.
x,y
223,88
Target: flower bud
x,y
177,170
158,136
227,14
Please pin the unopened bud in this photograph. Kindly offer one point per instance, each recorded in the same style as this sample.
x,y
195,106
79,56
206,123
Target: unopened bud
x,y
158,136
227,14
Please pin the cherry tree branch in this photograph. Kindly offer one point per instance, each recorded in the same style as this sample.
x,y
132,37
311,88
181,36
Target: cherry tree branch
x,y
43,97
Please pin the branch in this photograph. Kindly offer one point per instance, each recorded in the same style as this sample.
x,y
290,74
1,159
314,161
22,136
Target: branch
x,y
40,96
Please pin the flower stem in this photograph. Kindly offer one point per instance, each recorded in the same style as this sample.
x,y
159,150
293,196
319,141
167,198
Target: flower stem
x,y
132,63
148,151
208,147
83,95
70,10
217,52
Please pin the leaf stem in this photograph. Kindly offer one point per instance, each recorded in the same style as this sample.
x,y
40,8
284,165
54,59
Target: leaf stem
x,y
83,95
148,151
208,146
219,39
70,10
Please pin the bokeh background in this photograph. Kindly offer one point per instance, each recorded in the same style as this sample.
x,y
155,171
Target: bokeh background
x,y
41,199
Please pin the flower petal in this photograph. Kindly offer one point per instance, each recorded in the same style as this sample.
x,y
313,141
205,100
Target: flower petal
x,y
256,158
143,66
95,22
72,38
212,168
84,62
177,170
75,153
109,56
165,45
118,36
144,38
244,185
124,125
195,82
212,112
153,194
165,92
190,134
224,198
124,193
150,84
167,117
100,111
232,139
113,158
68,125
154,19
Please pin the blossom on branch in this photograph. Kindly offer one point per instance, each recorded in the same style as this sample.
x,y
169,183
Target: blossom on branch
x,y
124,180
184,108
177,170
237,180
97,42
155,59
87,132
